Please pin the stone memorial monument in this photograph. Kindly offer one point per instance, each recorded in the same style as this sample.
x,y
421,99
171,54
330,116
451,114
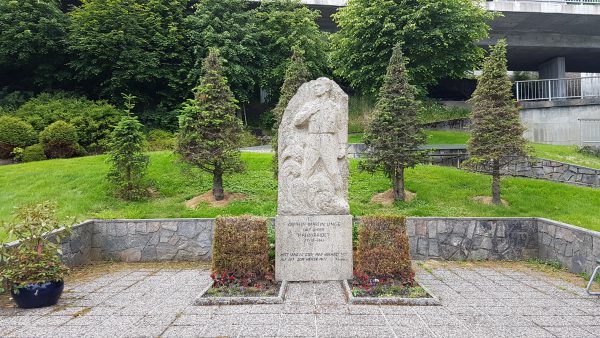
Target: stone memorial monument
x,y
313,225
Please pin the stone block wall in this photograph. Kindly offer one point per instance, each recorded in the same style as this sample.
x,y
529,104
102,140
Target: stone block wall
x,y
473,238
575,248
440,238
152,240
76,248
554,171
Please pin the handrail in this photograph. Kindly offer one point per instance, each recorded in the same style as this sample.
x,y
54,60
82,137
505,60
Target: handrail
x,y
558,89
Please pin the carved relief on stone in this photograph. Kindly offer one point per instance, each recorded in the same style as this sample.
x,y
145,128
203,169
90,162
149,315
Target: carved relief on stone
x,y
313,168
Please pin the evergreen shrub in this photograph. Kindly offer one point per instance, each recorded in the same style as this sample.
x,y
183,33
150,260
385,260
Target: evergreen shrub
x,y
241,247
14,133
383,247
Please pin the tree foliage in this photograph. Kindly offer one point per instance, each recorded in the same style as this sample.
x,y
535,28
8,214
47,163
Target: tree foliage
x,y
32,49
285,24
230,26
437,35
209,128
497,134
395,134
130,46
128,162
296,74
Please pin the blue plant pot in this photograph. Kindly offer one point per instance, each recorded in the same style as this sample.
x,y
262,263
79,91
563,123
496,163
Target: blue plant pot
x,y
38,295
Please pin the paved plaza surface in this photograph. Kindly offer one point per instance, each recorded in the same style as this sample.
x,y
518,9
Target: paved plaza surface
x,y
478,301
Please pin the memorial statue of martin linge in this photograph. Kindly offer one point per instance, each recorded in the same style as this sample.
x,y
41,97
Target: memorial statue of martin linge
x,y
313,173
313,225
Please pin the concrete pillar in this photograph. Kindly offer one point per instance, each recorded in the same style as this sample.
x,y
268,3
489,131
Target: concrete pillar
x,y
554,69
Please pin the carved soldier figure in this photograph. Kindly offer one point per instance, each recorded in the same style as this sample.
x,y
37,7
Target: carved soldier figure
x,y
313,169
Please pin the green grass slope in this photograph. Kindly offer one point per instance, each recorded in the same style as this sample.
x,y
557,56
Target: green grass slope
x,y
79,187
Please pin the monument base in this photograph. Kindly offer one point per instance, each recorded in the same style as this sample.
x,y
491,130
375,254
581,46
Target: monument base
x,y
313,248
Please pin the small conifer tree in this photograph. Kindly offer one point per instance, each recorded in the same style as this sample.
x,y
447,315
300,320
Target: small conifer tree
x,y
209,129
394,135
497,134
128,162
296,74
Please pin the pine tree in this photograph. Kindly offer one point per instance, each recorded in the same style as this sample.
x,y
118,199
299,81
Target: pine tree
x,y
209,130
394,135
296,74
128,161
497,134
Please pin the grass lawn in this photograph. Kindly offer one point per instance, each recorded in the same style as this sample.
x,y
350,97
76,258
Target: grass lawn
x,y
568,154
79,187
433,137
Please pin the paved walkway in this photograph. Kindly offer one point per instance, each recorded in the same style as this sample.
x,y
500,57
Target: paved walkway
x,y
477,302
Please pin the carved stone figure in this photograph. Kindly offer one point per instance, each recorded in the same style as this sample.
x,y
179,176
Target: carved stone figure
x,y
313,168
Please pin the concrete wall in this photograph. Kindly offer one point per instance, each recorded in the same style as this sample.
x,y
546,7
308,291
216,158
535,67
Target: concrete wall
x,y
558,122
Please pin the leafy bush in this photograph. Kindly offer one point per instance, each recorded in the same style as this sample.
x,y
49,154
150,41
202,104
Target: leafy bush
x,y
30,154
128,162
93,120
383,248
161,140
14,132
589,150
60,140
433,111
241,247
36,259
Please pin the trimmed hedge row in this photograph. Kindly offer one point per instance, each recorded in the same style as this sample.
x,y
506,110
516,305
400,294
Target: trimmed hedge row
x,y
383,247
241,247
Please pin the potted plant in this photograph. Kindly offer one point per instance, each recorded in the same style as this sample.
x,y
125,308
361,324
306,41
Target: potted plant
x,y
31,268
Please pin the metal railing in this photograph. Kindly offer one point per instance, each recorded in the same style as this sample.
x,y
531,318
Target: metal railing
x,y
558,89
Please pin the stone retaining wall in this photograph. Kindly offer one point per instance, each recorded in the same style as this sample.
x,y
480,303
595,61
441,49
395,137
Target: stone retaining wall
x,y
554,171
472,238
152,240
77,247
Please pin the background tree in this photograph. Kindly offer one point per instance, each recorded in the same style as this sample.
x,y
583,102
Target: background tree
x,y
395,133
497,134
32,56
295,76
438,39
128,162
230,26
284,24
209,128
131,46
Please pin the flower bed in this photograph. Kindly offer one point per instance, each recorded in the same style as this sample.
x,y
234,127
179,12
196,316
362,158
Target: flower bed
x,y
229,285
386,286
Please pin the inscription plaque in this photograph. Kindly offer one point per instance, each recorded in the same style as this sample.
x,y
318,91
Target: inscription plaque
x,y
313,248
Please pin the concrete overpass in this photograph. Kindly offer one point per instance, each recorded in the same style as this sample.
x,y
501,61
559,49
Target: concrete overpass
x,y
537,31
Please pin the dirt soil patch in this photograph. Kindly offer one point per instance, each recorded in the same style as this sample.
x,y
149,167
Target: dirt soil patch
x,y
210,199
387,198
488,200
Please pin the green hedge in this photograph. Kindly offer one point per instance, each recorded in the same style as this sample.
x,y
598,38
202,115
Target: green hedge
x,y
241,246
60,140
14,133
93,120
383,247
